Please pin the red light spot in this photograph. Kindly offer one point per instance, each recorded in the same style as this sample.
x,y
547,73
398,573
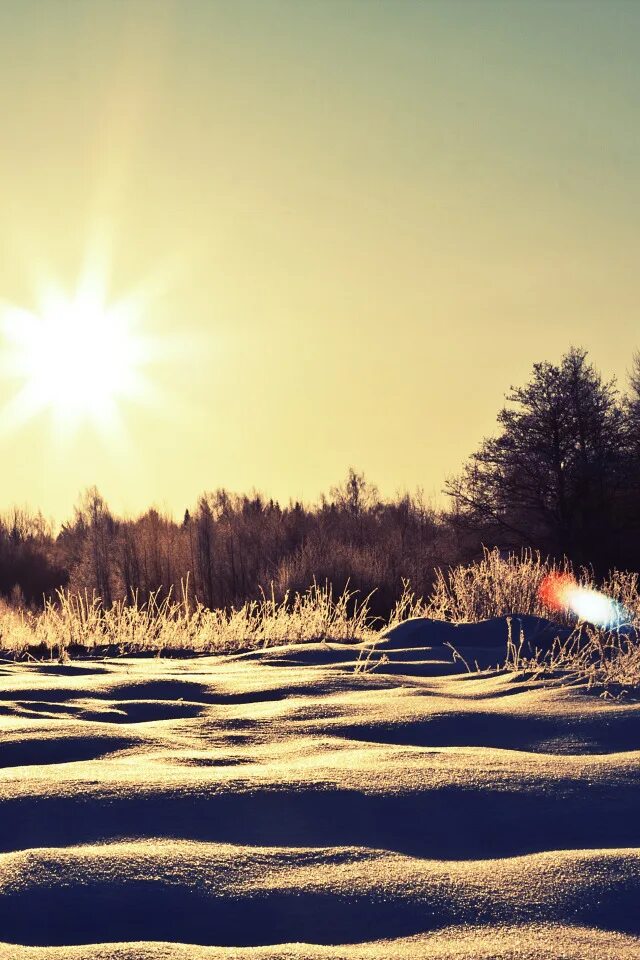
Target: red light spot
x,y
554,590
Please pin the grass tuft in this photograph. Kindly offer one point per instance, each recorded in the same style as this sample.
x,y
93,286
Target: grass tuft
x,y
79,625
499,586
73,624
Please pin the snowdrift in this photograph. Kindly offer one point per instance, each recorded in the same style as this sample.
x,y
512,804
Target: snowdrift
x,y
291,803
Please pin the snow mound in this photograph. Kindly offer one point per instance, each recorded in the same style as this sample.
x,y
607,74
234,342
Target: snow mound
x,y
489,634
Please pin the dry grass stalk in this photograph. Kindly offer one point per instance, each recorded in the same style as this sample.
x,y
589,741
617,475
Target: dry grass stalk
x,y
81,622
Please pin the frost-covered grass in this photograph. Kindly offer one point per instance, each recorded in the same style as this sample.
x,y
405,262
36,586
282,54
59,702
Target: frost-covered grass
x,y
496,586
606,659
79,622
502,586
499,586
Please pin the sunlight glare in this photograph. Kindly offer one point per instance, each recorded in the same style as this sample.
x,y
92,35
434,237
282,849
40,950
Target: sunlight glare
x,y
77,357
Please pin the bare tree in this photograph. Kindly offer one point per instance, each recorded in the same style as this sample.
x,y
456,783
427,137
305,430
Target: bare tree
x,y
550,476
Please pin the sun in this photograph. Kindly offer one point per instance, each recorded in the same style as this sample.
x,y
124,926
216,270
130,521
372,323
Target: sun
x,y
77,356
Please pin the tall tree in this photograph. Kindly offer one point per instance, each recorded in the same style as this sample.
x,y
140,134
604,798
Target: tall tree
x,y
551,475
633,406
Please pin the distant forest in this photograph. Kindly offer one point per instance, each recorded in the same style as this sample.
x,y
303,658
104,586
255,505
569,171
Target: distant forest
x,y
561,474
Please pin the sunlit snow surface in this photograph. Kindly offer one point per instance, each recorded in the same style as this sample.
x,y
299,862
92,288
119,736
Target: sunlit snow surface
x,y
280,805
561,592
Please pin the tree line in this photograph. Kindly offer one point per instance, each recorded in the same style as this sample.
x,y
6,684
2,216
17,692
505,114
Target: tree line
x,y
227,548
561,474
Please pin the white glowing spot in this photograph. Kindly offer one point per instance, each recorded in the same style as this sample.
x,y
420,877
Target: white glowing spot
x,y
76,356
595,607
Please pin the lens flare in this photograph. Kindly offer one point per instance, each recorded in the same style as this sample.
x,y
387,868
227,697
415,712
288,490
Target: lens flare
x,y
562,593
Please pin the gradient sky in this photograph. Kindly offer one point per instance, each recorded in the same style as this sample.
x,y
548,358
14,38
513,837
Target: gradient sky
x,y
362,222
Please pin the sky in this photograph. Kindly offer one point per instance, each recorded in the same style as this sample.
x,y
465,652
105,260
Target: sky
x,y
342,230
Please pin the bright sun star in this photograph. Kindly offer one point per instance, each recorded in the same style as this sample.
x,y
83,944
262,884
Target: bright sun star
x,y
77,357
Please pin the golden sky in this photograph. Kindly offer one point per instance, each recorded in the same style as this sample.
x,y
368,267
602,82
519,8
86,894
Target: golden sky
x,y
346,228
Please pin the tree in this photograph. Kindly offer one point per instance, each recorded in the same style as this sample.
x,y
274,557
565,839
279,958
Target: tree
x,y
356,494
551,476
632,407
95,528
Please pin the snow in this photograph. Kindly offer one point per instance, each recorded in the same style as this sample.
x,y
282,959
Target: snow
x,y
286,804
